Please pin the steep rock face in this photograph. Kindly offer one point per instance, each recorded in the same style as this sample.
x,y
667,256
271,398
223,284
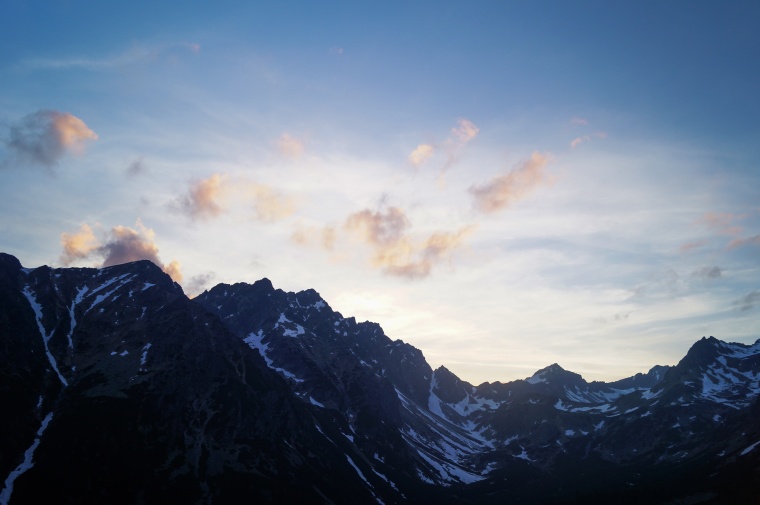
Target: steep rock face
x,y
146,397
371,386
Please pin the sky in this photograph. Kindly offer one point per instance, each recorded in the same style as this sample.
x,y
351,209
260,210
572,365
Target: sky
x,y
503,185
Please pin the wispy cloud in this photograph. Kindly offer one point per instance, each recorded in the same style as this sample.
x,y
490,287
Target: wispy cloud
x,y
270,204
290,146
741,242
137,167
692,246
579,121
377,227
122,244
421,154
394,251
325,237
506,189
464,132
44,137
748,301
579,140
708,273
722,222
137,53
417,261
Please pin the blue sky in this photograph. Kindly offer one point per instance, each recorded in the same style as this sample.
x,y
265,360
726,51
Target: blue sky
x,y
502,184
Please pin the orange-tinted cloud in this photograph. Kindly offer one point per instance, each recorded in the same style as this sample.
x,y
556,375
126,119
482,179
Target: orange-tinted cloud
x,y
421,154
203,198
325,237
121,245
378,228
504,190
174,270
290,146
579,140
396,253
79,245
45,136
269,204
417,261
465,131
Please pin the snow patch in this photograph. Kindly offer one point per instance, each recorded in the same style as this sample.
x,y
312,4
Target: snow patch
x,y
37,308
5,494
749,449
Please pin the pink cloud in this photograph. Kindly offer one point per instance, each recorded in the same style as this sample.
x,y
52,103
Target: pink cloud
x,y
506,189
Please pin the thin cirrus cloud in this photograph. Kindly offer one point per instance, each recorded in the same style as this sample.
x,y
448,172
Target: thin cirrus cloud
x,y
506,189
290,146
459,136
741,242
270,204
137,53
210,197
393,251
122,244
722,222
421,154
44,137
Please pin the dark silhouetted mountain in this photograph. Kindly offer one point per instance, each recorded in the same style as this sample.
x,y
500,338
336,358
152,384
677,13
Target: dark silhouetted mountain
x,y
117,388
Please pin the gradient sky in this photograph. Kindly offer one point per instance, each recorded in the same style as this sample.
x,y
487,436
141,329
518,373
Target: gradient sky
x,y
503,185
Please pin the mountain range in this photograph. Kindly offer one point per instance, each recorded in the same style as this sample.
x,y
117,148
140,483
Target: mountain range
x,y
117,388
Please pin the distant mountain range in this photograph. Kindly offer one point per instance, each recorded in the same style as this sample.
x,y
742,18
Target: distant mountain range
x,y
116,388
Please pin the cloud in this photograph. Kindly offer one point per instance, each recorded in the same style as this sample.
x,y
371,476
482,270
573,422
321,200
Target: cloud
x,y
394,252
269,204
504,190
378,228
421,154
45,136
741,242
202,199
459,136
136,54
290,146
722,222
79,245
708,273
690,246
417,262
326,237
337,50
579,121
465,131
137,167
197,283
579,140
121,244
748,301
